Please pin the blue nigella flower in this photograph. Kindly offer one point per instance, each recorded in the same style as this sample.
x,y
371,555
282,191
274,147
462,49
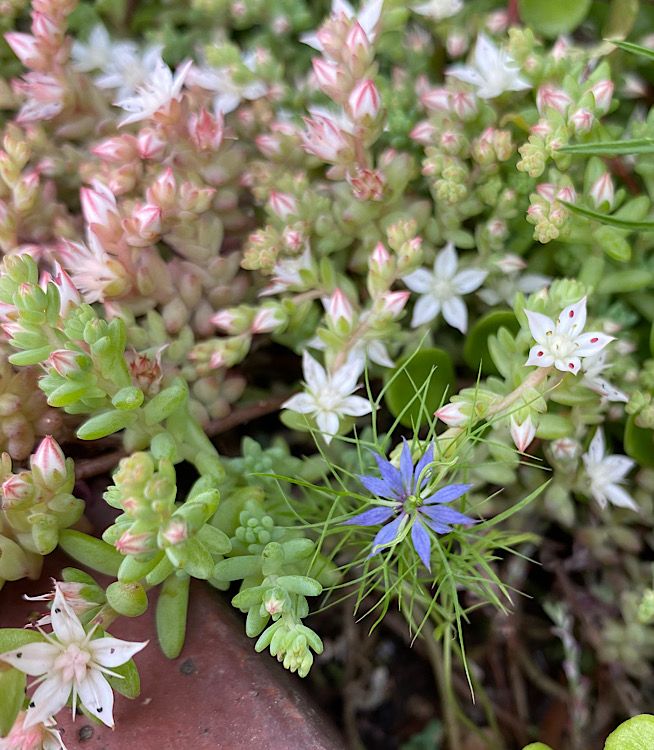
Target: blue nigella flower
x,y
405,487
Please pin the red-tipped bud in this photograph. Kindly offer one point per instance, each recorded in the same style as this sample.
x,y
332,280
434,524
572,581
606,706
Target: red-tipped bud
x,y
452,415
551,97
581,121
120,149
339,306
205,130
379,258
150,144
48,463
364,101
603,192
602,92
393,302
283,205
162,191
523,434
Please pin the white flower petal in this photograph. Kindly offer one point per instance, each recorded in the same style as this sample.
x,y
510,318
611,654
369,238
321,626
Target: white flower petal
x,y
596,449
569,364
619,466
302,403
426,308
355,406
573,318
539,357
48,699
328,423
420,281
446,263
65,623
97,696
540,326
33,658
314,373
112,652
620,497
378,353
466,74
455,313
487,54
592,343
469,280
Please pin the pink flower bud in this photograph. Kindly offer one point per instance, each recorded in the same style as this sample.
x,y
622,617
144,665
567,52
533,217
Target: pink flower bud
x,y
328,75
497,229
565,449
511,263
117,150
324,139
567,194
224,319
268,145
457,44
364,101
147,219
176,532
423,133
357,45
64,362
602,92
193,198
551,97
205,130
150,144
394,302
98,204
268,319
437,99
464,104
294,239
338,306
498,22
134,544
44,27
48,463
217,360
282,205
379,258
581,121
523,434
451,414
546,190
560,49
542,129
27,49
16,489
69,297
603,192
162,191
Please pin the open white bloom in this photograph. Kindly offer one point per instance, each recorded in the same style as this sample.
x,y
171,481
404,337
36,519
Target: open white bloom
x,y
367,17
593,367
437,10
128,69
563,343
441,290
156,92
70,661
100,52
493,71
607,473
228,93
505,287
328,395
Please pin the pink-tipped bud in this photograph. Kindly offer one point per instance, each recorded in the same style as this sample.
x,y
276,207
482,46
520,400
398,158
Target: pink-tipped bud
x,y
27,49
511,263
147,220
364,101
437,99
217,360
602,92
379,258
176,532
565,449
162,191
69,297
498,21
560,49
225,319
603,192
64,362
423,132
120,149
357,46
328,75
581,121
324,139
268,319
269,145
16,490
206,130
542,129
98,204
282,205
45,28
551,97
457,44
394,302
546,190
451,414
464,104
150,144
522,434
338,306
567,194
134,544
48,463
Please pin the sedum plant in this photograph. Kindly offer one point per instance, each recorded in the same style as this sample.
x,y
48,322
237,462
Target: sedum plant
x,y
421,233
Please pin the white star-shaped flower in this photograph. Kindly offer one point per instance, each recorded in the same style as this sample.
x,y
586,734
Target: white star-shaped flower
x,y
607,473
156,92
493,71
563,343
437,10
228,93
70,661
100,52
128,68
441,290
327,396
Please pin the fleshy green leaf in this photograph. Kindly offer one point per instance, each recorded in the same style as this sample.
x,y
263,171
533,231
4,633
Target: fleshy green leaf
x,y
130,684
635,734
639,443
553,17
172,608
92,552
12,690
11,638
475,349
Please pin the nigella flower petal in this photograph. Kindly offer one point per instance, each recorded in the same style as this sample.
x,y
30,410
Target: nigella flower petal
x,y
447,494
390,474
370,517
387,534
444,515
421,543
406,467
426,459
439,528
378,487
